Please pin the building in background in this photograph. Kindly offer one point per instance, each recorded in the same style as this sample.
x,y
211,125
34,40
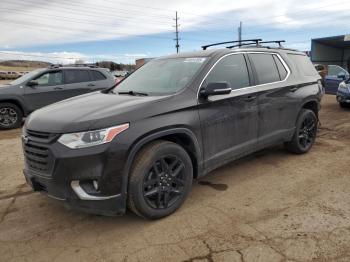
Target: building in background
x,y
334,50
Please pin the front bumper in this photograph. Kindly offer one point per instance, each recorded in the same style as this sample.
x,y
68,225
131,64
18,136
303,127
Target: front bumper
x,y
67,175
343,97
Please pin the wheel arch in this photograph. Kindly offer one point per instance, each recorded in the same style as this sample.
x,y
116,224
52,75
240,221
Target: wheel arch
x,y
15,102
312,105
181,136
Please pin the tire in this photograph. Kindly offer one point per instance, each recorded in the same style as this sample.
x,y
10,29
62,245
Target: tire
x,y
344,105
305,133
154,190
11,116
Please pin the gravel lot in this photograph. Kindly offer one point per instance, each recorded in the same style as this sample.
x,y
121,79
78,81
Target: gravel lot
x,y
272,206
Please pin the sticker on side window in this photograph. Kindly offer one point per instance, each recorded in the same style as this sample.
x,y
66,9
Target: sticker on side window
x,y
195,60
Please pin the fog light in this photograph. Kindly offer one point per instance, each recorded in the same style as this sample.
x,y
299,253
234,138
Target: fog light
x,y
95,184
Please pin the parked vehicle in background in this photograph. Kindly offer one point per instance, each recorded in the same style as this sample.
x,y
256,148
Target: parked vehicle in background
x,y
332,76
343,94
3,75
141,143
22,73
322,70
12,75
42,87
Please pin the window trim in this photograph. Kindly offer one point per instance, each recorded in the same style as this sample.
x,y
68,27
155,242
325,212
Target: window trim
x,y
248,87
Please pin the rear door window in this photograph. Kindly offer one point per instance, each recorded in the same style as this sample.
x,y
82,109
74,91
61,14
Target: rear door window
x,y
231,69
265,68
76,76
96,76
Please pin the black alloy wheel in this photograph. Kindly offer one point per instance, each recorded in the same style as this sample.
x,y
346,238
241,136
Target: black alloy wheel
x,y
164,183
160,179
307,131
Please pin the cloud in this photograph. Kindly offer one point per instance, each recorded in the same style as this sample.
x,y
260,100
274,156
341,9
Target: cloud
x,y
40,22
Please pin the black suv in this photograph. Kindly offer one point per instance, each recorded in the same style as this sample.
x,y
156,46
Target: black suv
x,y
42,87
141,144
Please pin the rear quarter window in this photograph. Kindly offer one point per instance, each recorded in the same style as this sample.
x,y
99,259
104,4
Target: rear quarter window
x,y
303,65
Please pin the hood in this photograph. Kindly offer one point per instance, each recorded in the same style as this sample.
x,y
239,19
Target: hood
x,y
8,89
87,112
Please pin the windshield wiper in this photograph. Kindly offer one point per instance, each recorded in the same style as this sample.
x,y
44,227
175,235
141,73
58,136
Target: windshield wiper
x,y
132,93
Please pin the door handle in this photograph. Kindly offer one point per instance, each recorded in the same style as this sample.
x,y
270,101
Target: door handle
x,y
293,89
90,85
58,88
249,98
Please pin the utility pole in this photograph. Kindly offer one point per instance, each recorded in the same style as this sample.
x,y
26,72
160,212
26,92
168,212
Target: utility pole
x,y
177,32
240,33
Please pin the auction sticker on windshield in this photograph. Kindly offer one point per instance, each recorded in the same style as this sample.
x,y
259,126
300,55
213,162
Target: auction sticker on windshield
x,y
195,60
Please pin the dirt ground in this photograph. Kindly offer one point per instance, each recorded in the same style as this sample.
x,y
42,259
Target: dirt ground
x,y
272,206
2,82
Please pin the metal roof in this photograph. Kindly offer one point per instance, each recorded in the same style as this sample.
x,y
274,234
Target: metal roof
x,y
340,41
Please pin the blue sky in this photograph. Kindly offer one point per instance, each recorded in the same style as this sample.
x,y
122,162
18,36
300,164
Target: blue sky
x,y
64,31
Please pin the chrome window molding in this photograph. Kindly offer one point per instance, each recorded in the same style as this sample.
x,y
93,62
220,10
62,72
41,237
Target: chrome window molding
x,y
254,86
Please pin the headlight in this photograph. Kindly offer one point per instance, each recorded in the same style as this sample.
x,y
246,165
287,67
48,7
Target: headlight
x,y
91,138
344,87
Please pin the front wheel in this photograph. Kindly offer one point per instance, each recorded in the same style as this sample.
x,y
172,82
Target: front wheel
x,y
344,105
305,133
10,116
160,180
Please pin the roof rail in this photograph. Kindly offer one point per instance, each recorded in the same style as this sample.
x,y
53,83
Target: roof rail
x,y
274,42
256,41
73,65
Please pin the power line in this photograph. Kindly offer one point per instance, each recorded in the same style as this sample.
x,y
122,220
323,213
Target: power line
x,y
69,19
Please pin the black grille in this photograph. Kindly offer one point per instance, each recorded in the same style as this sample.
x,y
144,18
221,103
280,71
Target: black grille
x,y
37,152
40,137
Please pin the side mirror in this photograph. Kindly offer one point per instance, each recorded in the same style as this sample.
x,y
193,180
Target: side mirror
x,y
213,89
32,83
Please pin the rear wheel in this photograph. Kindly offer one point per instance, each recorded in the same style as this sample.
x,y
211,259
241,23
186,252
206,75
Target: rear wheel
x,y
305,133
160,180
10,116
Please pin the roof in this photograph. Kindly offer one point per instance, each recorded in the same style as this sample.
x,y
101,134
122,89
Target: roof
x,y
334,41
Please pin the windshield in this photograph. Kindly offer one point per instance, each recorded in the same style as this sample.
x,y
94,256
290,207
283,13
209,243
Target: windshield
x,y
26,77
161,76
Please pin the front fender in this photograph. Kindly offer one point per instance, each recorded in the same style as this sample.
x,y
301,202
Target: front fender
x,y
154,136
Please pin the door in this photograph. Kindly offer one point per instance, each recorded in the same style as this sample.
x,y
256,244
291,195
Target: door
x,y
332,79
49,89
277,104
229,122
78,82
